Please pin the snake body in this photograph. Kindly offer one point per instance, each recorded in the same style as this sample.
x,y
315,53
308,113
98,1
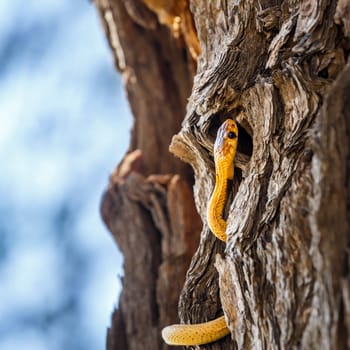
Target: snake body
x,y
224,153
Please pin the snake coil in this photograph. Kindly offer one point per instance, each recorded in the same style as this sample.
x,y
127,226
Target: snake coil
x,y
225,148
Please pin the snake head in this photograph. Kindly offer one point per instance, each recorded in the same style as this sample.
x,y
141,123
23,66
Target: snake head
x,y
226,141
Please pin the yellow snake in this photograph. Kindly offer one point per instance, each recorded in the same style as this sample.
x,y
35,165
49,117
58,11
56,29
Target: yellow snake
x,y
224,153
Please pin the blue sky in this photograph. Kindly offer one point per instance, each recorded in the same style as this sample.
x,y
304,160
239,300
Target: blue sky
x,y
64,126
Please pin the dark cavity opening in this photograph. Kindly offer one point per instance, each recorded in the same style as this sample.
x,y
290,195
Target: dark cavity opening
x,y
245,142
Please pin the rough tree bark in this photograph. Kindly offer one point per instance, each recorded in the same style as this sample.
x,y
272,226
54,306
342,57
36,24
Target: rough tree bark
x,y
279,68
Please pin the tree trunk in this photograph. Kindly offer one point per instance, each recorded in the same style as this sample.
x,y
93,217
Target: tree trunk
x,y
279,69
149,205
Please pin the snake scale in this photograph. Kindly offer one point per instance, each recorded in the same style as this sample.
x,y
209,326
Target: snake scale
x,y
224,153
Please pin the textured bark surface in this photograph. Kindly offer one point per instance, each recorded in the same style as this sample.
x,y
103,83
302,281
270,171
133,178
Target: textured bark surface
x,y
279,68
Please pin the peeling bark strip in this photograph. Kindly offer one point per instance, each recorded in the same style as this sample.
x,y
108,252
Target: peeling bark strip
x,y
285,269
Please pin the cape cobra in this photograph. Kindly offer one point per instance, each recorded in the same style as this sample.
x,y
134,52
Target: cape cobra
x,y
224,153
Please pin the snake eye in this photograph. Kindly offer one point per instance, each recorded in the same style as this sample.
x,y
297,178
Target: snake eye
x,y
231,135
